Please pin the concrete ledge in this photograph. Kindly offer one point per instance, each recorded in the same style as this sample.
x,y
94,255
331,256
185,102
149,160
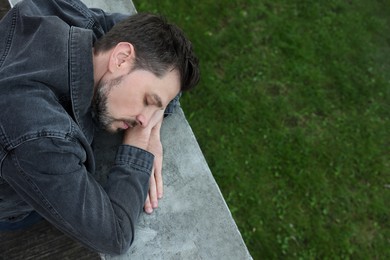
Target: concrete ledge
x,y
193,220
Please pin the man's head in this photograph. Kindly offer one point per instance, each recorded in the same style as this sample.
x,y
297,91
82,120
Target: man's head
x,y
159,47
140,65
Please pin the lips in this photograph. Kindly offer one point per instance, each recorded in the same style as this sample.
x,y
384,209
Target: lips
x,y
125,125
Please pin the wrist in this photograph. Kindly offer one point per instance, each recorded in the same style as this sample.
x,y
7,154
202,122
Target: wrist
x,y
138,137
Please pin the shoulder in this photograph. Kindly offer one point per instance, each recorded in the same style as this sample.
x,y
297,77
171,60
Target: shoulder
x,y
31,113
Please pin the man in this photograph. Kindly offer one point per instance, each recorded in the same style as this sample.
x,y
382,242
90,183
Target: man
x,y
65,69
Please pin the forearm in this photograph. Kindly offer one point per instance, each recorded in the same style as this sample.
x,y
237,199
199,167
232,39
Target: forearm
x,y
66,194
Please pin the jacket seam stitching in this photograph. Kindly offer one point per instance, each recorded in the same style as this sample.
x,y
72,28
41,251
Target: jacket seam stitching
x,y
90,19
10,36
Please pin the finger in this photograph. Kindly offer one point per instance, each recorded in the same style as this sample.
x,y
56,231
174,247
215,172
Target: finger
x,y
159,180
148,207
153,192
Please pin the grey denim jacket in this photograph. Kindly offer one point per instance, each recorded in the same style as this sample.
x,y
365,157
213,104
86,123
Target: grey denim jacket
x,y
46,128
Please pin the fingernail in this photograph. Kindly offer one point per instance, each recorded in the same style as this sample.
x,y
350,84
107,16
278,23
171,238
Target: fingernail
x,y
148,210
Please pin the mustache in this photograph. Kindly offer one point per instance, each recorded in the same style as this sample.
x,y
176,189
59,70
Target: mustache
x,y
131,122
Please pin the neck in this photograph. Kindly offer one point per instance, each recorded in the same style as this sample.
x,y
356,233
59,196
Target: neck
x,y
100,65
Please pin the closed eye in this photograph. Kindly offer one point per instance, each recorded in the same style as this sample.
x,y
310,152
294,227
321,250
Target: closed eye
x,y
157,100
153,99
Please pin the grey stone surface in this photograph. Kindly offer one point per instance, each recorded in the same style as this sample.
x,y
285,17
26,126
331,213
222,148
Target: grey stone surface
x,y
193,220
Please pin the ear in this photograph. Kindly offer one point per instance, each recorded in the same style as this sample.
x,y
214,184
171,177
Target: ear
x,y
122,58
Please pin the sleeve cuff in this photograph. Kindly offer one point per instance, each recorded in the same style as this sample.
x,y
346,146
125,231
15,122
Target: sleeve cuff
x,y
172,105
135,157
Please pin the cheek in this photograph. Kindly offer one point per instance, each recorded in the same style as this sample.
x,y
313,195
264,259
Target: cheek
x,y
123,105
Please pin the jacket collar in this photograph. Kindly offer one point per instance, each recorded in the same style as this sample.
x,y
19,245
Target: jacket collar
x,y
81,78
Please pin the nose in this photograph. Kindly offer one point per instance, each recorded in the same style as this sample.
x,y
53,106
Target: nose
x,y
143,118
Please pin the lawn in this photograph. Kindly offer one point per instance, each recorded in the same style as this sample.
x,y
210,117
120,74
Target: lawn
x,y
292,114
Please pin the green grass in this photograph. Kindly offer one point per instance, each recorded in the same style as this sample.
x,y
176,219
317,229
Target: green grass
x,y
292,114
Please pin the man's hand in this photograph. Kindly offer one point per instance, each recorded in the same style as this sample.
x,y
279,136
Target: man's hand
x,y
139,136
149,139
155,183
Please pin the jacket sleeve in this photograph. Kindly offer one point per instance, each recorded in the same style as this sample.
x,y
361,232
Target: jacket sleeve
x,y
172,105
50,174
107,20
74,13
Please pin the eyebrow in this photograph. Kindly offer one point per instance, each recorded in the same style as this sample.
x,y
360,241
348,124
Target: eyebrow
x,y
157,100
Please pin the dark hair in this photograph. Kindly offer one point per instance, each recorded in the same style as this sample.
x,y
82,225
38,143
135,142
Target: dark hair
x,y
159,47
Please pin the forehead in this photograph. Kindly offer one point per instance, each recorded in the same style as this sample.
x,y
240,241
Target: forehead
x,y
164,88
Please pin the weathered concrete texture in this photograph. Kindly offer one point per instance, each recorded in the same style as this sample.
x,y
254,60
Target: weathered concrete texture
x,y
119,6
193,220
13,2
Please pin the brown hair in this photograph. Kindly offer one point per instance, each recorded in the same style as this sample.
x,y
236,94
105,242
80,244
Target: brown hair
x,y
159,47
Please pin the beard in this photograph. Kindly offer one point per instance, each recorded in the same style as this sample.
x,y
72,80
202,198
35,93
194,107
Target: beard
x,y
100,104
